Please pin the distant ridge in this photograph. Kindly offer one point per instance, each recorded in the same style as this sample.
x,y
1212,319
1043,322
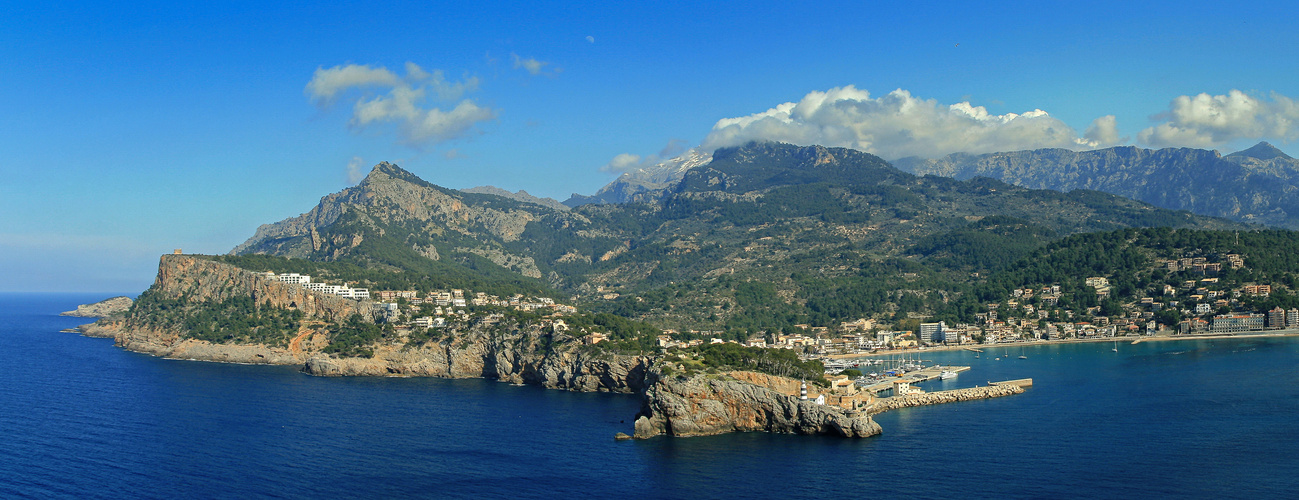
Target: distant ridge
x,y
1257,185
521,195
1261,151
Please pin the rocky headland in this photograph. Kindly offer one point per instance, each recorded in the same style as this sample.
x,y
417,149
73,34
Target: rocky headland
x,y
506,351
705,405
681,405
103,308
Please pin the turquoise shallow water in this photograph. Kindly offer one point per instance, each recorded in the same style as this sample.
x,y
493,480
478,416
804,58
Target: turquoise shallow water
x,y
81,418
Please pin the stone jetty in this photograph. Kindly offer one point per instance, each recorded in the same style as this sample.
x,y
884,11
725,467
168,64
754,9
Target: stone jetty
x,y
932,398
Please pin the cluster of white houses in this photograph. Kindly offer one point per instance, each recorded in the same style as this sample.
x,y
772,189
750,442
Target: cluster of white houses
x,y
445,304
305,280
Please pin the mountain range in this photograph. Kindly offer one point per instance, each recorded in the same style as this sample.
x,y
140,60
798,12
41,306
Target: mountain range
x,y
764,233
1257,185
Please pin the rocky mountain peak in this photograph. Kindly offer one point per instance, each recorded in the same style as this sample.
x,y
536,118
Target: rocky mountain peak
x,y
386,171
1262,151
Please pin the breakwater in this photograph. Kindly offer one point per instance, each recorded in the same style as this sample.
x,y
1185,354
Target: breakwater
x,y
932,398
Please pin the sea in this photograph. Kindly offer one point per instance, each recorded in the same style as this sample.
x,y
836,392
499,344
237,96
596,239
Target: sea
x,y
80,418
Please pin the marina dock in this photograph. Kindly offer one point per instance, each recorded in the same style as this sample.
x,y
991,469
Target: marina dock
x,y
922,375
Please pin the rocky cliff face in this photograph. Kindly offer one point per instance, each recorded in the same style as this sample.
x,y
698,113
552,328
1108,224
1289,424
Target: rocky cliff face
x,y
202,280
510,352
502,353
197,281
704,405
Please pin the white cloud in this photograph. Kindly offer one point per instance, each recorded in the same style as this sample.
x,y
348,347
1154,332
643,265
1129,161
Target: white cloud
x,y
895,125
1103,133
627,162
403,101
1205,120
532,66
326,84
354,172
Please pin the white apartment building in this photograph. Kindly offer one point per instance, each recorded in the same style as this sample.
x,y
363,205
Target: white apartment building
x,y
293,278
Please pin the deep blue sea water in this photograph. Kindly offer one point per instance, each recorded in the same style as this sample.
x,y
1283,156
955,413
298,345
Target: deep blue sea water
x,y
81,418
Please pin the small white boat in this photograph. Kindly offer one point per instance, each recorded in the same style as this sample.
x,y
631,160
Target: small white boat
x,y
946,375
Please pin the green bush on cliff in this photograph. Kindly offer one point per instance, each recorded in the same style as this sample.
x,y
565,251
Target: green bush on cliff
x,y
354,337
237,320
625,336
780,362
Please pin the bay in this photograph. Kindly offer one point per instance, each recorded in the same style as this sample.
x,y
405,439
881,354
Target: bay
x,y
80,418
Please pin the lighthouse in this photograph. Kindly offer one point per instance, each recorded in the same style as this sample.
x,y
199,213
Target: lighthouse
x,y
802,391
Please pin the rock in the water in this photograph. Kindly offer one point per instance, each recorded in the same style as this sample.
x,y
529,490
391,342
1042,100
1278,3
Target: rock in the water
x,y
705,405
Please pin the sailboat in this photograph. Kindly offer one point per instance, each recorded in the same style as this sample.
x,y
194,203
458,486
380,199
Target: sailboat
x,y
1021,354
1116,346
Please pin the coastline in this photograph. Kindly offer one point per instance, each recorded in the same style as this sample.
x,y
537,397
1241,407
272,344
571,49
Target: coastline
x,y
1130,339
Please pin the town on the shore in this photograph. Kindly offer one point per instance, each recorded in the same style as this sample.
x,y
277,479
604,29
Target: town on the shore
x,y
1025,315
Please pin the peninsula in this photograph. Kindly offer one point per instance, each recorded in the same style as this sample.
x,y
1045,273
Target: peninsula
x,y
714,297
202,309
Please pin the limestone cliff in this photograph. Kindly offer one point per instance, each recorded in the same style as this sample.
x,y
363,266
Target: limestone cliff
x,y
704,405
509,355
513,352
187,283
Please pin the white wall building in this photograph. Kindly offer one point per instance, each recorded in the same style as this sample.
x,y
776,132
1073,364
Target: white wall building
x,y
293,278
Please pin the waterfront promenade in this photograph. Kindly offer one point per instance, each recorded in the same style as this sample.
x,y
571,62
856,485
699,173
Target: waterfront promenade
x,y
1132,339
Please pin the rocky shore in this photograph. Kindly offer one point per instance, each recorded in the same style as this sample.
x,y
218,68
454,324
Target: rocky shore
x,y
103,308
705,405
681,406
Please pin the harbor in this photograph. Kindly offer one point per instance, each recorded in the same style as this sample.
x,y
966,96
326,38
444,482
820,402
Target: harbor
x,y
888,383
878,376
883,384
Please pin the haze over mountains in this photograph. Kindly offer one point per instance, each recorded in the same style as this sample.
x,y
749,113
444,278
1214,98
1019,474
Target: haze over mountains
x,y
1257,185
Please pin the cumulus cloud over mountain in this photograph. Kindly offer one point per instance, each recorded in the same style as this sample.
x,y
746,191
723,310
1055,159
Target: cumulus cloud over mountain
x,y
898,125
381,96
627,162
1212,120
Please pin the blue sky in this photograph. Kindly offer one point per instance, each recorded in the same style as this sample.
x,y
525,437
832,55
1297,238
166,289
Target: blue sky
x,y
127,130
